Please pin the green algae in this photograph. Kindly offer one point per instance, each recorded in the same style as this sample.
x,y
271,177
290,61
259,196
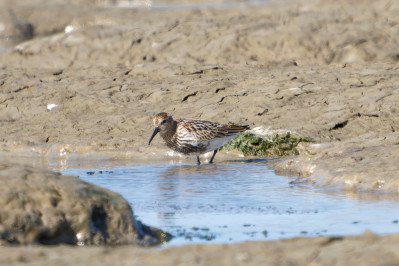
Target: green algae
x,y
163,236
276,145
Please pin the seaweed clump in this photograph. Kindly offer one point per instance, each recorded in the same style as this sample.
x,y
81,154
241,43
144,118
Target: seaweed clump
x,y
276,145
163,236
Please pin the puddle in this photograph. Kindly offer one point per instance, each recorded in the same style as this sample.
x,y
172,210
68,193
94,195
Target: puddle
x,y
235,201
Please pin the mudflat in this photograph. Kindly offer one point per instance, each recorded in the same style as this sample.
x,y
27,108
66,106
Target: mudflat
x,y
89,77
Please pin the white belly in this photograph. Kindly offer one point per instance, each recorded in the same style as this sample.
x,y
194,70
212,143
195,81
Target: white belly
x,y
215,144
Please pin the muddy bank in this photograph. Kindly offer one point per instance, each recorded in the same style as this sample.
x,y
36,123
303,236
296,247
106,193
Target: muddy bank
x,y
307,32
367,249
349,111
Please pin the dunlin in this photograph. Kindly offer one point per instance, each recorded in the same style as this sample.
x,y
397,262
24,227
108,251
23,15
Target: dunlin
x,y
191,136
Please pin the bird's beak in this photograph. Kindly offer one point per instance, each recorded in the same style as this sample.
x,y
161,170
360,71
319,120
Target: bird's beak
x,y
156,130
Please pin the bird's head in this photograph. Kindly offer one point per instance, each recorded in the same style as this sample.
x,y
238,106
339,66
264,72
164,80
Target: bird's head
x,y
163,124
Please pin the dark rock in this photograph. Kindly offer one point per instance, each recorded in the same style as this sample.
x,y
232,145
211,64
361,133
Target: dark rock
x,y
44,207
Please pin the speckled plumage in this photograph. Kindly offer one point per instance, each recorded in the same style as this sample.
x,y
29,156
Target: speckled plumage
x,y
191,136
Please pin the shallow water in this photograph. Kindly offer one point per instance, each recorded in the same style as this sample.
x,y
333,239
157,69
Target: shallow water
x,y
235,201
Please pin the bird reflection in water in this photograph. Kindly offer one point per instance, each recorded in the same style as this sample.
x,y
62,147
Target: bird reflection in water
x,y
177,184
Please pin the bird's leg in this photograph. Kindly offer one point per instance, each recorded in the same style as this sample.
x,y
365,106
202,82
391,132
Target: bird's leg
x,y
213,156
198,160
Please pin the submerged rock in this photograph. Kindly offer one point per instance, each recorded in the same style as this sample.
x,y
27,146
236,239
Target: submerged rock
x,y
44,207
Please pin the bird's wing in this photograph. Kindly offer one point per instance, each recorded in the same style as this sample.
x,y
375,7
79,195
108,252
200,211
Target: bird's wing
x,y
201,130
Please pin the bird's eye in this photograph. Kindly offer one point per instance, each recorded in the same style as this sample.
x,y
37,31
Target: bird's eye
x,y
163,121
